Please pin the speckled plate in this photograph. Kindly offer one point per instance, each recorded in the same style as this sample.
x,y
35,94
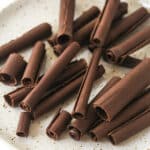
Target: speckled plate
x,y
18,18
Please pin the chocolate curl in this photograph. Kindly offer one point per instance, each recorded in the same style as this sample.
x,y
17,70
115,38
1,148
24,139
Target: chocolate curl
x,y
104,21
66,16
118,53
79,127
80,108
29,38
85,17
138,105
12,70
59,124
49,78
33,67
109,105
130,62
127,24
81,21
51,101
15,97
131,127
24,124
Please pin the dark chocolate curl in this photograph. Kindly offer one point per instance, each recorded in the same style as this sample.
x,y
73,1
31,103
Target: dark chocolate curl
x,y
67,8
104,21
12,70
119,52
24,124
33,67
138,105
131,127
80,108
58,124
29,38
109,105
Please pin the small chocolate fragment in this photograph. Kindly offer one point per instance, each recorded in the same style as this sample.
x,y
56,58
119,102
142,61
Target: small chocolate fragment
x,y
66,16
52,40
103,23
24,124
33,67
49,78
80,126
51,101
58,124
29,38
80,107
127,24
85,17
112,102
131,127
138,105
15,97
130,62
119,52
12,70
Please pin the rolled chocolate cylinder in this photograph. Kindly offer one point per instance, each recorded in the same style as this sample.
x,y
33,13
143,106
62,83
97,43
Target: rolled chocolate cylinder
x,y
79,127
15,97
29,38
51,101
85,17
12,70
109,105
131,127
127,24
138,105
130,62
59,124
117,53
80,107
33,67
73,70
103,23
24,124
79,22
49,78
66,16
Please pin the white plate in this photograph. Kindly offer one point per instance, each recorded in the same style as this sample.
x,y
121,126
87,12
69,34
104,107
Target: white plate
x,y
21,16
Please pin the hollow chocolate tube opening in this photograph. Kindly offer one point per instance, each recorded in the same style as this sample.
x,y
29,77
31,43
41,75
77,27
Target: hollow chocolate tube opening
x,y
63,39
101,113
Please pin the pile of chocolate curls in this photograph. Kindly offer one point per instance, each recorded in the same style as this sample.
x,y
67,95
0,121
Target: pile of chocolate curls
x,y
120,109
